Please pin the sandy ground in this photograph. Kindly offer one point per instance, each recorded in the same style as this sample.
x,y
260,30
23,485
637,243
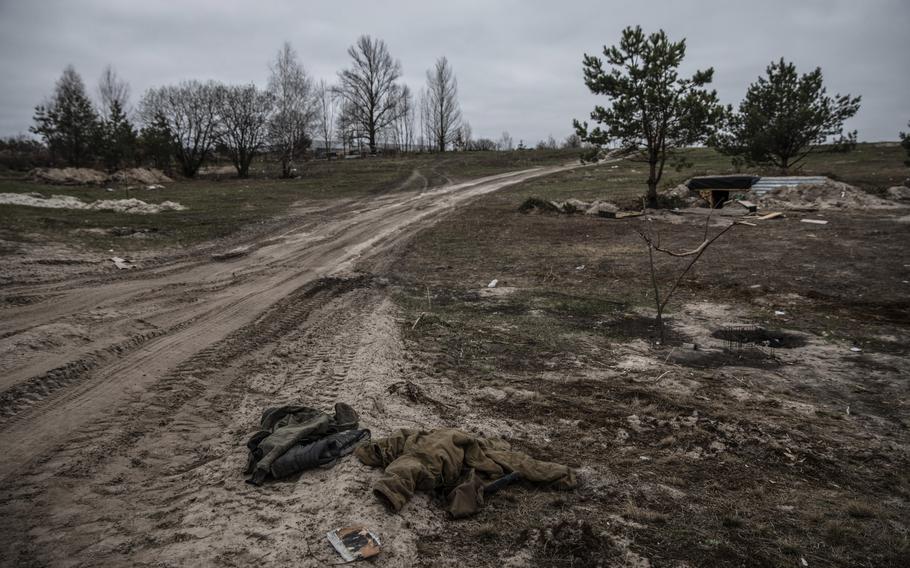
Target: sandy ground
x,y
126,399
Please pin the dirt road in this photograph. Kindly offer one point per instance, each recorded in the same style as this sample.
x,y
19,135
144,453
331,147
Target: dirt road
x,y
125,400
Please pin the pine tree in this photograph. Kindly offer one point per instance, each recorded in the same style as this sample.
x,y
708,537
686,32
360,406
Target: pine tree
x,y
118,139
785,117
156,143
68,122
653,110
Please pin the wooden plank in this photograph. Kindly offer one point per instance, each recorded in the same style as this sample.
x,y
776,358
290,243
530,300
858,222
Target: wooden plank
x,y
770,216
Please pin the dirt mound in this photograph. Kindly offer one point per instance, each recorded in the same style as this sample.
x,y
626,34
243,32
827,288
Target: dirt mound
x,y
68,176
898,192
829,195
87,176
70,202
146,176
597,208
684,196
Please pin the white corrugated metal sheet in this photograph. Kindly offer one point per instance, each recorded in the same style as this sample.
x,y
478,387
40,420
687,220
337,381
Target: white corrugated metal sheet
x,y
766,184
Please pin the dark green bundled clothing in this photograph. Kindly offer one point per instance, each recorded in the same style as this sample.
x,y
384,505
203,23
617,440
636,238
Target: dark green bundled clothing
x,y
454,461
295,438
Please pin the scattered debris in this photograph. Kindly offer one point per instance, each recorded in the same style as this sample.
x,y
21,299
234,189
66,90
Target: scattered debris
x,y
767,216
354,543
814,221
779,313
493,283
122,263
855,349
581,267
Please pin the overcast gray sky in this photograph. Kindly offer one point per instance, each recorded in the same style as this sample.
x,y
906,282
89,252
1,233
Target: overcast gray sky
x,y
518,63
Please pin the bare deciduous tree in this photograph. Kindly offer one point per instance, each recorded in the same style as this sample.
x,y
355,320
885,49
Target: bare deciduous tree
x,y
325,98
244,113
466,136
368,87
112,89
295,108
654,244
403,126
190,113
505,141
443,110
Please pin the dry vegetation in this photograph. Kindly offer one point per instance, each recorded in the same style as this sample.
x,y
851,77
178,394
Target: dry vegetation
x,y
709,457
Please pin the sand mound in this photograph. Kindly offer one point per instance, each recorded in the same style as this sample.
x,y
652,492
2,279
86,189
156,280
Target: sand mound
x,y
70,202
87,176
68,176
829,195
146,176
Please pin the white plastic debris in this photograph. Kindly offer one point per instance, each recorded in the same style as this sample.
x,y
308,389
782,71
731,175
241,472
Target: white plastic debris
x,y
779,313
582,267
814,221
855,349
121,263
493,283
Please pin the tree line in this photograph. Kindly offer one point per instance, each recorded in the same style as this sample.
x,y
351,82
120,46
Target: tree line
x,y
367,109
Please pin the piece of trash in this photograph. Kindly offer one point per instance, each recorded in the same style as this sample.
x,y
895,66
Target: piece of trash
x,y
582,267
750,207
493,283
108,189
233,253
779,313
354,543
755,286
122,263
814,221
774,215
154,186
855,349
803,561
